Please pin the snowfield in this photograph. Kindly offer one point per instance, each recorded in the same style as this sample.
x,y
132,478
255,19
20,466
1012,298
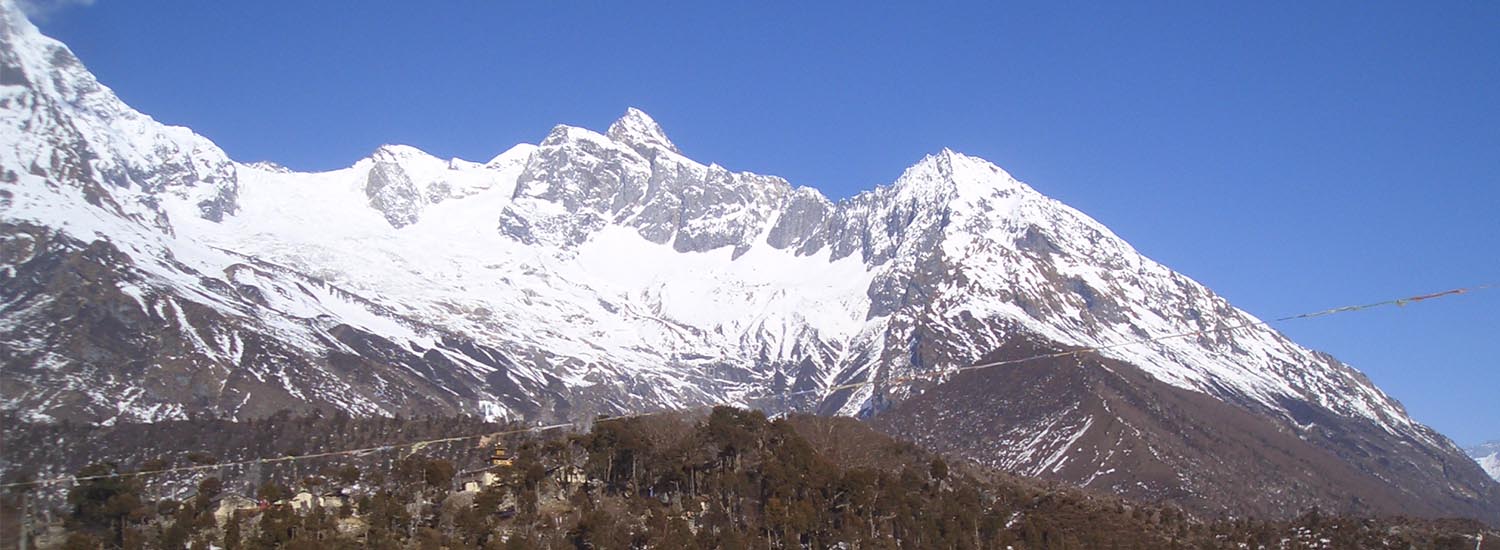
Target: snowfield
x,y
610,263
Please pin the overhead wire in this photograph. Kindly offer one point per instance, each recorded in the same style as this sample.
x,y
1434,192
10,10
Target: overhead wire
x,y
1093,349
415,445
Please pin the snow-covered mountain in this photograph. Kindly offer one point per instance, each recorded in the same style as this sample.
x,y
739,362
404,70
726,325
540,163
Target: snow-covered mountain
x,y
1487,454
144,275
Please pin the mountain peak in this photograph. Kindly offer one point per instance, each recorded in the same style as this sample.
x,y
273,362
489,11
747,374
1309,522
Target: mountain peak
x,y
949,173
14,22
641,132
37,61
396,152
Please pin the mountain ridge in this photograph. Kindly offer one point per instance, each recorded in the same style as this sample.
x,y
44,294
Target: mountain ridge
x,y
150,277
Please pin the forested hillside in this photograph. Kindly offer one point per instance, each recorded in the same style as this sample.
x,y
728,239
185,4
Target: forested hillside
x,y
725,478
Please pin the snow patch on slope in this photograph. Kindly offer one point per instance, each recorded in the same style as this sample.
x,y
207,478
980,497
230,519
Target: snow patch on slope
x,y
1488,456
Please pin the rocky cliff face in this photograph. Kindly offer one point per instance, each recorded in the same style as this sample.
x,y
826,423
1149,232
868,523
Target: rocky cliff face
x,y
146,276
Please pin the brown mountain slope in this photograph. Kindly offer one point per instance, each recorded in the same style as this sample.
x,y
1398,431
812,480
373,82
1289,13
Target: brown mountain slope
x,y
1104,424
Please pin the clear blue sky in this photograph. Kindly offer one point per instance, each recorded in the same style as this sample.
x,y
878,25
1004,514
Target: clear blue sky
x,y
1291,156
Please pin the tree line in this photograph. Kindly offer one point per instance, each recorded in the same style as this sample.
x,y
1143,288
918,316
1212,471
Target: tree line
x,y
730,478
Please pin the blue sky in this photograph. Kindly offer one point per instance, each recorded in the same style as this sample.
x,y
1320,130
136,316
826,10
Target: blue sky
x,y
1291,156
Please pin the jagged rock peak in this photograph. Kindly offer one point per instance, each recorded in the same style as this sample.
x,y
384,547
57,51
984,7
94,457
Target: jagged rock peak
x,y
638,130
57,117
18,30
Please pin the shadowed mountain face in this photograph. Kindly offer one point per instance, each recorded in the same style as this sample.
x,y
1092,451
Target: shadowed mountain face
x,y
1103,424
146,276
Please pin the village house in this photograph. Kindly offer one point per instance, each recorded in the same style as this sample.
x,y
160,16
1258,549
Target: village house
x,y
332,499
302,501
477,480
232,504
